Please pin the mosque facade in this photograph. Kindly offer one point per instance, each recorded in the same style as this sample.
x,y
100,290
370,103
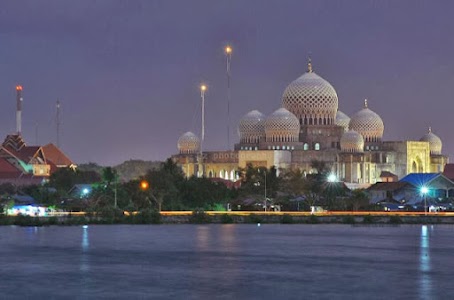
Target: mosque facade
x,y
309,126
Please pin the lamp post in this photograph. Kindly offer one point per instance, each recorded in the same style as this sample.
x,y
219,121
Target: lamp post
x,y
228,54
265,190
203,89
424,191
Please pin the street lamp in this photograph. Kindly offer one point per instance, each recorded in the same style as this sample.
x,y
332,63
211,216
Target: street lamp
x,y
203,89
258,184
228,54
144,185
424,191
332,178
265,190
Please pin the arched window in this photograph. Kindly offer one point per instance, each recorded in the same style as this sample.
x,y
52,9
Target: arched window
x,y
306,146
317,146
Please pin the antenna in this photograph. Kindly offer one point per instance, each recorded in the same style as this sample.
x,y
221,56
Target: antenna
x,y
58,123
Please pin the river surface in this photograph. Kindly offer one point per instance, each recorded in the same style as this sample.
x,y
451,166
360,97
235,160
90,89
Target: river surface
x,y
227,262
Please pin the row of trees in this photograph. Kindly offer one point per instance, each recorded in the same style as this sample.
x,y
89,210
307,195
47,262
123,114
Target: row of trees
x,y
167,188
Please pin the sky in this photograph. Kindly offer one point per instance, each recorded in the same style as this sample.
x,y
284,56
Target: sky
x,y
127,73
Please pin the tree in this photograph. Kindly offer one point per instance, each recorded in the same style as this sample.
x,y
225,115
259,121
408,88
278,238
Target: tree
x,y
109,175
357,200
65,178
165,183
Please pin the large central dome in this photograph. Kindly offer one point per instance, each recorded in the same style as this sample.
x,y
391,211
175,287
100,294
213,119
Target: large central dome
x,y
312,99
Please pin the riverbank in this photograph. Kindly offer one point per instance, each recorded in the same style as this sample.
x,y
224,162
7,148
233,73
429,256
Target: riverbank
x,y
201,217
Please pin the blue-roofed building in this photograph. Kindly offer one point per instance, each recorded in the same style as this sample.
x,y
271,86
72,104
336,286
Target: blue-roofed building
x,y
438,185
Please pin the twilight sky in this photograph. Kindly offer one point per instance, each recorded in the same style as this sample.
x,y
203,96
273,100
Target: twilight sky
x,y
127,72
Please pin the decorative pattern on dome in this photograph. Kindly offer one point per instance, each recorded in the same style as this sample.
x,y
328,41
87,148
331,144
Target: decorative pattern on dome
x,y
282,126
352,141
368,124
189,143
312,99
435,143
342,120
252,127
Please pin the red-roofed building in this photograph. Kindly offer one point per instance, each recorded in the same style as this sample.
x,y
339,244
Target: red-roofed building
x,y
23,165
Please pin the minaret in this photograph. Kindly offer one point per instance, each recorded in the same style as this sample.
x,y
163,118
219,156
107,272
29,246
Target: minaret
x,y
19,100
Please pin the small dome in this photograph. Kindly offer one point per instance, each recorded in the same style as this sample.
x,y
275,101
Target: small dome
x,y
435,143
252,127
368,124
282,126
188,143
352,141
342,120
312,99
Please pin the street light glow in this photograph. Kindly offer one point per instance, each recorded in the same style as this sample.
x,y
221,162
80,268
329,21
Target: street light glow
x,y
144,185
424,190
203,88
332,178
228,49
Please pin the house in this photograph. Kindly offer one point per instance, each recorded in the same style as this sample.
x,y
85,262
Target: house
x,y
27,165
438,185
402,192
387,176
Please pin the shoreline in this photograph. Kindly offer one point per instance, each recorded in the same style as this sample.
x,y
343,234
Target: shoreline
x,y
201,217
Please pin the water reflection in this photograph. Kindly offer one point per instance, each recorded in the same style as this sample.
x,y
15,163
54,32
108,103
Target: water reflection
x,y
84,266
425,284
202,237
228,243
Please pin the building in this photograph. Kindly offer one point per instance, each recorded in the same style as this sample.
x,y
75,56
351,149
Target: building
x,y
21,164
309,126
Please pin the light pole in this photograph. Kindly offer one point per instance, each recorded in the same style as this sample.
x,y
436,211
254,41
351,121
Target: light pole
x,y
424,191
228,54
203,89
265,190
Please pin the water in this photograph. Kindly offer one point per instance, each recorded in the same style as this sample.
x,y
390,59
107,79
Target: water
x,y
227,262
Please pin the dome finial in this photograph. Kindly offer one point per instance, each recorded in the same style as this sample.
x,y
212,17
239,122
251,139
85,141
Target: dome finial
x,y
430,129
365,103
309,64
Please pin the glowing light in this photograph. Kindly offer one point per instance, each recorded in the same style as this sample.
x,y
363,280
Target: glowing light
x,y
258,224
332,178
85,226
144,185
18,88
228,49
203,88
85,191
424,190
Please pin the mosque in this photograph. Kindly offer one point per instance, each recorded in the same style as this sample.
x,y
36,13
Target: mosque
x,y
309,126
